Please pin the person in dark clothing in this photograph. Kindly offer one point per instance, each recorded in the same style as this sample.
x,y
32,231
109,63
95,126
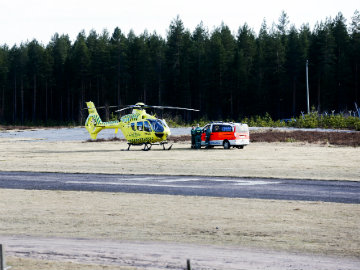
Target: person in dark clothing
x,y
207,140
198,132
193,137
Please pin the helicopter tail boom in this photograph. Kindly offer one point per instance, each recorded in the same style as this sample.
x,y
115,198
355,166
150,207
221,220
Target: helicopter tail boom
x,y
93,123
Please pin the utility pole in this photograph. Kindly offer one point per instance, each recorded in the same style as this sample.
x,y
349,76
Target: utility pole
x,y
307,86
2,258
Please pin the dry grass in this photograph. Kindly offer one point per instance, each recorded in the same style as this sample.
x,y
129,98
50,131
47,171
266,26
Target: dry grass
x,y
316,227
327,228
282,160
27,263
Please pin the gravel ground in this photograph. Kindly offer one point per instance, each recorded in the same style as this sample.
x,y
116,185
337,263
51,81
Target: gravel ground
x,y
160,255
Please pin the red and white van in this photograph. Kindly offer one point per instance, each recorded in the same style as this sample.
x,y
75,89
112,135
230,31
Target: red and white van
x,y
227,134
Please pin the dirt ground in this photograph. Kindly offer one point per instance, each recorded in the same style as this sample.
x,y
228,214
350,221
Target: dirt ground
x,y
113,254
304,227
317,137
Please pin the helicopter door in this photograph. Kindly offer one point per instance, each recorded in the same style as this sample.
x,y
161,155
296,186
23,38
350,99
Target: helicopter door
x,y
139,126
147,126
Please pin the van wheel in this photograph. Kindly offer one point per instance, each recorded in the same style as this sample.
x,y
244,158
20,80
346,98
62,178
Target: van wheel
x,y
226,145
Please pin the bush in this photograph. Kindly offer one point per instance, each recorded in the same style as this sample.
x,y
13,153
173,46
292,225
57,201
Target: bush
x,y
311,120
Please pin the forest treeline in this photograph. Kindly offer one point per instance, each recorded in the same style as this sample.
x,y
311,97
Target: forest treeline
x,y
226,75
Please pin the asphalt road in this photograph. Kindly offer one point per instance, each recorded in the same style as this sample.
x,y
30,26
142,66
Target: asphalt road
x,y
260,188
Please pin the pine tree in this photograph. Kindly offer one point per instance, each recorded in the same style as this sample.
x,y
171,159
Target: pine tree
x,y
118,64
355,53
342,58
156,46
80,62
199,70
60,47
322,52
3,79
245,70
35,53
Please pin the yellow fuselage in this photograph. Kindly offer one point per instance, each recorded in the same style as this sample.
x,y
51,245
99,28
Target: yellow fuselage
x,y
137,127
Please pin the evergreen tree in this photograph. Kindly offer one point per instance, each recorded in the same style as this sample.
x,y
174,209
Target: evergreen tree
x,y
118,64
355,53
342,65
224,75
156,46
245,81
35,54
322,53
177,86
60,47
3,79
80,65
199,68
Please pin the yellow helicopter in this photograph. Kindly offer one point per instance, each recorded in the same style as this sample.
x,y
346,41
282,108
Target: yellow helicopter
x,y
139,127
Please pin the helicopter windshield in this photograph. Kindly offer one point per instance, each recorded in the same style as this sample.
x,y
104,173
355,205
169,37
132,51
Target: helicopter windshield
x,y
156,125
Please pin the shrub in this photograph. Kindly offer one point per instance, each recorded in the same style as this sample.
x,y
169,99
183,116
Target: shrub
x,y
311,120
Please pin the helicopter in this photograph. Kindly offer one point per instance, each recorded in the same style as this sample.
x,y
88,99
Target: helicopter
x,y
138,127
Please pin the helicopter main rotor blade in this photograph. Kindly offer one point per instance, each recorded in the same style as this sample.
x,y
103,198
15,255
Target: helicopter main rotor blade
x,y
129,107
170,107
102,107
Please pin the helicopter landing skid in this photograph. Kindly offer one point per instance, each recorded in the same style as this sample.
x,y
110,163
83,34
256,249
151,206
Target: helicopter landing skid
x,y
163,145
147,146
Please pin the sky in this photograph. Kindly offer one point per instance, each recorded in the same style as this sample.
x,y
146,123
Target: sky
x,y
25,20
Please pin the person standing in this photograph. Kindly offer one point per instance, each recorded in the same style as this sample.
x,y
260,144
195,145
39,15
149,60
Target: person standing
x,y
193,137
198,132
207,138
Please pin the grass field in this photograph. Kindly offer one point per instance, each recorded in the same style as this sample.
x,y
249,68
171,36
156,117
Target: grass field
x,y
279,160
316,227
305,227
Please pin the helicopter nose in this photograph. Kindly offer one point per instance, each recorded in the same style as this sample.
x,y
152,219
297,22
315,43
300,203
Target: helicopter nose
x,y
162,135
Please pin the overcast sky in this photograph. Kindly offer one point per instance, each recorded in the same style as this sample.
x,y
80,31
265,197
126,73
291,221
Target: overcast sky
x,y
24,20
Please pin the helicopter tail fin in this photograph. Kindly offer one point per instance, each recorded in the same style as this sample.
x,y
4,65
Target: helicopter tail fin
x,y
93,123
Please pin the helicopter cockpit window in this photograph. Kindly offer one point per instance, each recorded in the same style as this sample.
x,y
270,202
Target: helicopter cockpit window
x,y
147,126
140,126
133,126
156,125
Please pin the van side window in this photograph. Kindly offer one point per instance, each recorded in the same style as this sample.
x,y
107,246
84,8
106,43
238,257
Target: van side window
x,y
226,128
140,126
204,129
133,126
216,128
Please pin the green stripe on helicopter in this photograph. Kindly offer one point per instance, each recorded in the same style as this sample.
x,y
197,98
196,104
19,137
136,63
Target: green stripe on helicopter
x,y
130,117
138,141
